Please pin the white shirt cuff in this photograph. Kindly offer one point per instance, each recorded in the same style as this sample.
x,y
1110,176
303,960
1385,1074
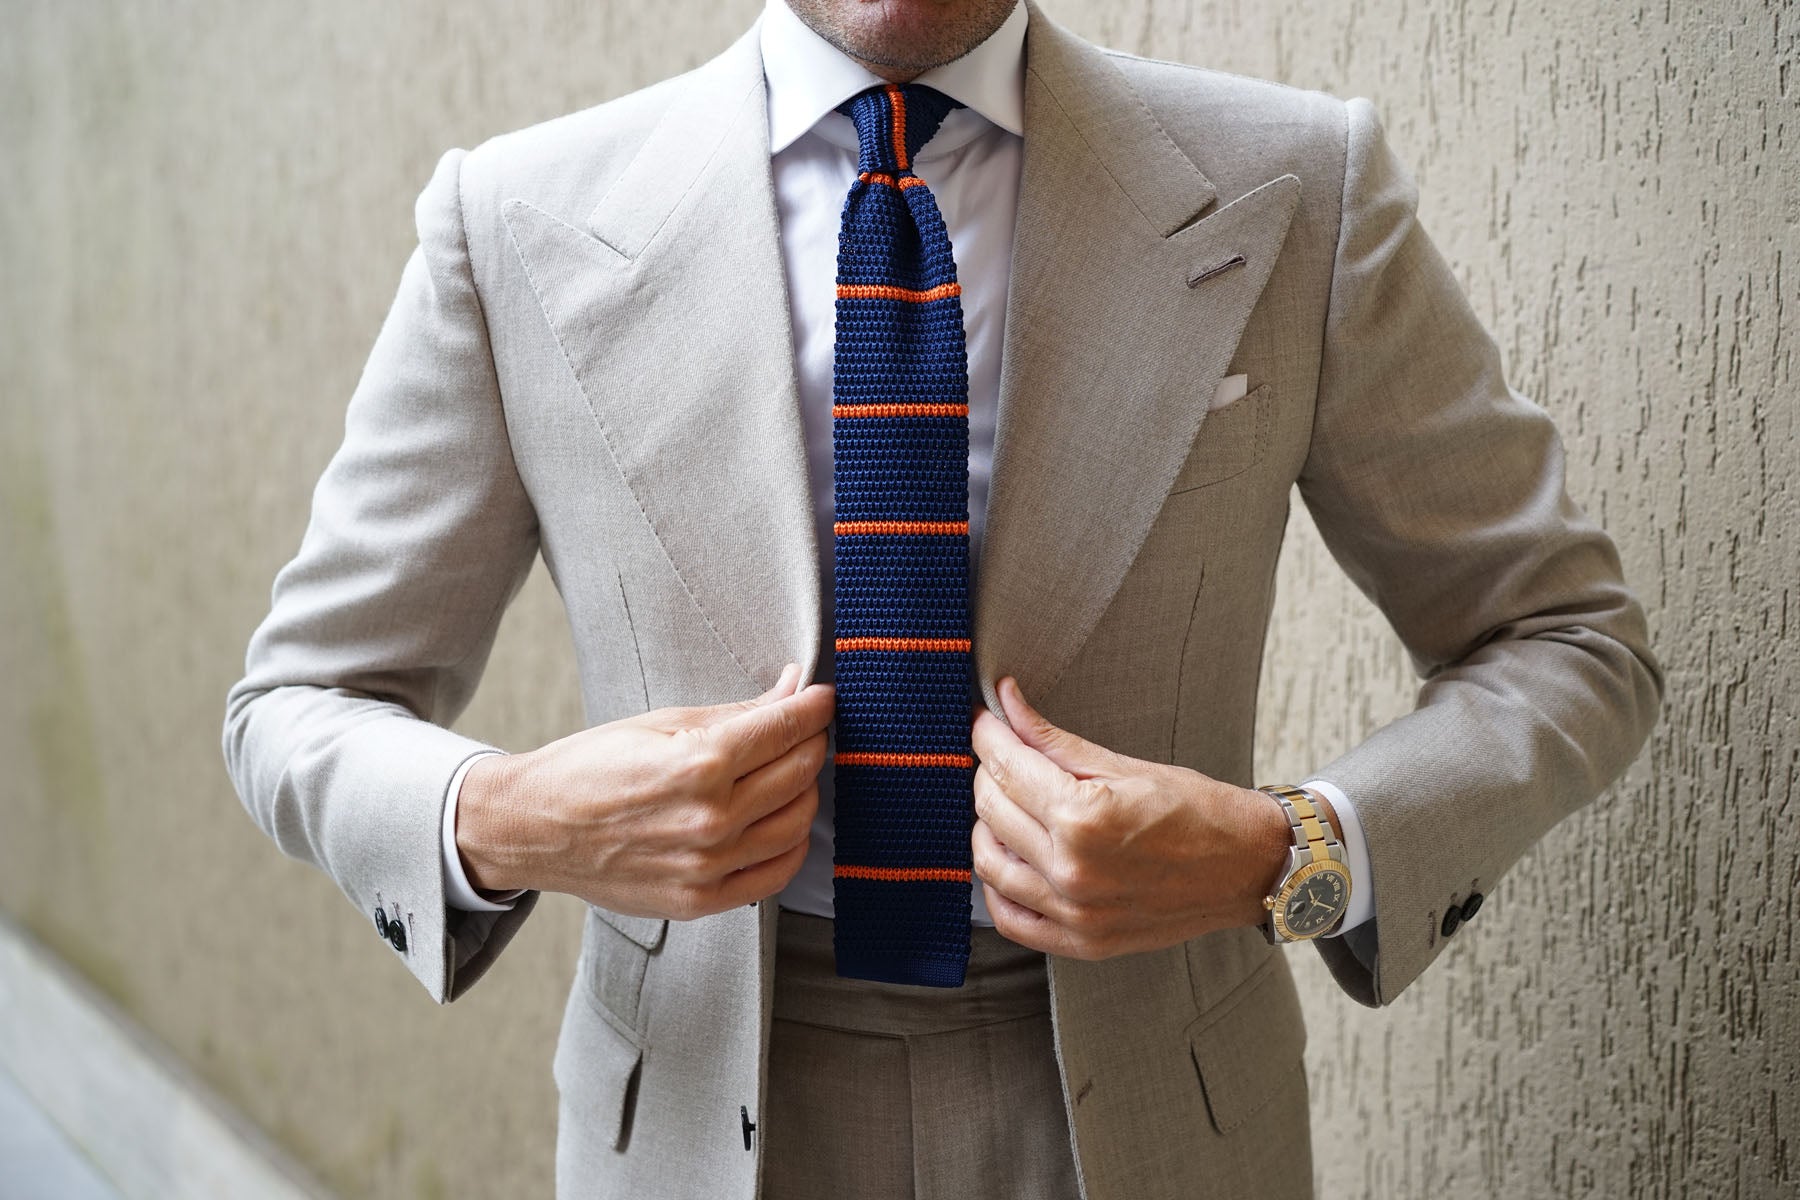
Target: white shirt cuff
x,y
1356,856
458,891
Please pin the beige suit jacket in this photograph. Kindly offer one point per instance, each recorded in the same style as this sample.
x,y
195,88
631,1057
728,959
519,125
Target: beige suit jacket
x,y
589,358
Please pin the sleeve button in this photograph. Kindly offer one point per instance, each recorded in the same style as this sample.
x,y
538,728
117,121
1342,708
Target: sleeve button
x,y
1452,918
396,935
1471,905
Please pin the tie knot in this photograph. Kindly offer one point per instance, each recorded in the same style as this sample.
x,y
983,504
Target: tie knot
x,y
893,121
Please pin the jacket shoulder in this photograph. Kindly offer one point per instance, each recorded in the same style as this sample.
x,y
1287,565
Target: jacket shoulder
x,y
562,165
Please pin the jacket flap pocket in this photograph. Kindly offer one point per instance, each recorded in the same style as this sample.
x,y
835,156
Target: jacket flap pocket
x,y
645,931
1246,1045
595,1068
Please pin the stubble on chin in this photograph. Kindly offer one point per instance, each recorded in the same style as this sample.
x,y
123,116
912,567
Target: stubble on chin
x,y
896,37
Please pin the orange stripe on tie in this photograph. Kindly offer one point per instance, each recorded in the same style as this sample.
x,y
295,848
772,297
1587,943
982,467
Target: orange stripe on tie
x,y
898,99
875,758
888,643
904,182
899,410
854,527
881,291
902,874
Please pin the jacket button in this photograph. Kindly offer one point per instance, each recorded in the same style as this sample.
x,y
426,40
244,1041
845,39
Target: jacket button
x,y
381,920
396,935
749,1125
1452,918
1471,905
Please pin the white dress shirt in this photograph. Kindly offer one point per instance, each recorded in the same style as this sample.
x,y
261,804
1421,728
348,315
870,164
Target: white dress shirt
x,y
972,166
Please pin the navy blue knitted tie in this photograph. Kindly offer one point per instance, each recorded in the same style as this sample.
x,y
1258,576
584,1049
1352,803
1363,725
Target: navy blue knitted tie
x,y
904,769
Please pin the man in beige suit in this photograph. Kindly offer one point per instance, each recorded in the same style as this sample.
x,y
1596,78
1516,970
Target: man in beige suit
x,y
1185,293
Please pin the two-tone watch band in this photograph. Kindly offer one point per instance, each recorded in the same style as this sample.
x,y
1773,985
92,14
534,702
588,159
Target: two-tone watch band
x,y
1311,833
1315,874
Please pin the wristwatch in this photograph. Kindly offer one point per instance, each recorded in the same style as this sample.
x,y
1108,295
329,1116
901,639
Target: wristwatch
x,y
1312,893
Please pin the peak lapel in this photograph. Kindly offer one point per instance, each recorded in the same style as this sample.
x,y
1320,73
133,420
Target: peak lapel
x,y
1110,355
671,307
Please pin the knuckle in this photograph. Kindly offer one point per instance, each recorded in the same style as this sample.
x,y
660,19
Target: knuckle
x,y
787,724
804,766
688,904
693,867
1082,821
713,759
707,825
687,736
797,856
698,764
984,804
1070,827
793,820
983,861
1071,877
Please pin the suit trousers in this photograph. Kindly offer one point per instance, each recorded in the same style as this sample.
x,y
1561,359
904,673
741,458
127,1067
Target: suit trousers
x,y
886,1091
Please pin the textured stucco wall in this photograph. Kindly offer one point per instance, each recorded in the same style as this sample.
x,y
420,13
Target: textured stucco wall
x,y
204,217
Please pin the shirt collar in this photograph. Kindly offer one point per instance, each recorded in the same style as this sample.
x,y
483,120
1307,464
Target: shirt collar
x,y
808,77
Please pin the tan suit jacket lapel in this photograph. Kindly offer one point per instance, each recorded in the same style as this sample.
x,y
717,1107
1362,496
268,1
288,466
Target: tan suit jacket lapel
x,y
672,309
1116,338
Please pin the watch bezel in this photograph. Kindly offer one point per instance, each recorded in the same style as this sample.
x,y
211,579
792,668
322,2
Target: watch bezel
x,y
1277,902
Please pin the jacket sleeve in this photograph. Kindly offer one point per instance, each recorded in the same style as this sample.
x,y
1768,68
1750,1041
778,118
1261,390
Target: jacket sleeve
x,y
421,533
1439,489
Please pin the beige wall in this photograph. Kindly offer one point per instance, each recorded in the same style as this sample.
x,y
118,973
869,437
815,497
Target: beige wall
x,y
203,216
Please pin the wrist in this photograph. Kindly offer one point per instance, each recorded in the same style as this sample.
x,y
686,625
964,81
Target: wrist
x,y
486,813
1271,838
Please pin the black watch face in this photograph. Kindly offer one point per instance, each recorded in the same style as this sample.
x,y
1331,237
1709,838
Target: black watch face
x,y
1316,903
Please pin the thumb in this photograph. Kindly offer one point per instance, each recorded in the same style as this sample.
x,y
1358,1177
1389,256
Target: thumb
x,y
790,675
713,714
1074,754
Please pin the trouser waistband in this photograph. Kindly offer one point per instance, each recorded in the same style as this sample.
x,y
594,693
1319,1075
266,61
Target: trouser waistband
x,y
1005,981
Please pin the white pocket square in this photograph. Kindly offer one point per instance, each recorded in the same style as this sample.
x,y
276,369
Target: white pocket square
x,y
1231,389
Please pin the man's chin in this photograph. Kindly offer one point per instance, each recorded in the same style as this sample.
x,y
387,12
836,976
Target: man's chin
x,y
902,35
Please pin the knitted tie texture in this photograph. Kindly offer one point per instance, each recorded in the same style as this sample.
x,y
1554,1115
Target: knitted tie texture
x,y
904,768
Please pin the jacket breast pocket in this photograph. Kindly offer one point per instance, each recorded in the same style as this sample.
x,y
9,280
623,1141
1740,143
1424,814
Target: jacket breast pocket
x,y
1231,440
1249,1044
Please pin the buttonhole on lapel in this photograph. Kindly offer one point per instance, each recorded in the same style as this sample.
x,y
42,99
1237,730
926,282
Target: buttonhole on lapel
x,y
1236,260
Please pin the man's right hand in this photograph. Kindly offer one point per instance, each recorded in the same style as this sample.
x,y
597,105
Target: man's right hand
x,y
678,812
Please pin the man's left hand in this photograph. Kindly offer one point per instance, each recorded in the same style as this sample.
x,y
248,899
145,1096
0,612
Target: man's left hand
x,y
1089,854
